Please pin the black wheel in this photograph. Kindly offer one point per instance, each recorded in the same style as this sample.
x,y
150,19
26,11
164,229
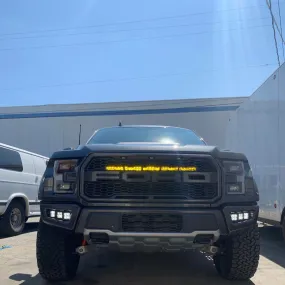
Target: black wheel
x,y
240,258
14,219
56,257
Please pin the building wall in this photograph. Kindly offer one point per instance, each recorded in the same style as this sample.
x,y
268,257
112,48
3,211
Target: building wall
x,y
45,129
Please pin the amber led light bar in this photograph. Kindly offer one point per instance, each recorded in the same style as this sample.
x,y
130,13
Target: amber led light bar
x,y
150,168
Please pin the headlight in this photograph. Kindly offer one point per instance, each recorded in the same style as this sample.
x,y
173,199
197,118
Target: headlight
x,y
235,167
47,184
65,166
247,170
65,175
234,177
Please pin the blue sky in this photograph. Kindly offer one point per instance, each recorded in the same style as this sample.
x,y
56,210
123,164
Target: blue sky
x,y
54,52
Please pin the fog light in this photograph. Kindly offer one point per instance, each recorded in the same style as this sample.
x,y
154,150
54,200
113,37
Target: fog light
x,y
52,214
67,216
240,216
234,217
234,189
59,215
246,216
64,186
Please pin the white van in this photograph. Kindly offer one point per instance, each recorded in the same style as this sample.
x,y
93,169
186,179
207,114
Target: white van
x,y
20,175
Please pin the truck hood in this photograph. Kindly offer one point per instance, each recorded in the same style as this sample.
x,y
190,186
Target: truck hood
x,y
150,148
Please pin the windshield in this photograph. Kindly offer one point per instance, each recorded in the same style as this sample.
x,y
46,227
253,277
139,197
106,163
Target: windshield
x,y
164,135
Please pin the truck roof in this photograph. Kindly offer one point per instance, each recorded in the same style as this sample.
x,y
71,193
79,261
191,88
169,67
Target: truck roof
x,y
144,126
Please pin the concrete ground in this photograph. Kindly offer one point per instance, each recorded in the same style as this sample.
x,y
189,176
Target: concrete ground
x,y
18,265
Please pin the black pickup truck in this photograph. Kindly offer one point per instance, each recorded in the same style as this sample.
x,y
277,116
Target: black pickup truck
x,y
148,188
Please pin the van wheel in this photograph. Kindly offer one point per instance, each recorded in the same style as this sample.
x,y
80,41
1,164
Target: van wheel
x,y
13,221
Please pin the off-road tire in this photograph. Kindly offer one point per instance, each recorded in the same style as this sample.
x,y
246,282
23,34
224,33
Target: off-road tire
x,y
56,257
6,228
240,258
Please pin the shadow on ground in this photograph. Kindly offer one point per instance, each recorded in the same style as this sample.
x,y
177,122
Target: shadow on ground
x,y
144,269
273,244
29,227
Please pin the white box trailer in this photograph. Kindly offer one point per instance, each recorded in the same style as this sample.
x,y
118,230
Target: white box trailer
x,y
257,129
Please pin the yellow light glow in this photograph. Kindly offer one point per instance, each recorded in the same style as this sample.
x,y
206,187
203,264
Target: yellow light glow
x,y
151,168
115,168
188,168
132,168
168,168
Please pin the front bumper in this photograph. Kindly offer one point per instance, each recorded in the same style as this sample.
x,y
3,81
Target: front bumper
x,y
103,226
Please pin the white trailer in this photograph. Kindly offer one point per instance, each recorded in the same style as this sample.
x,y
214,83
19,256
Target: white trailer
x,y
257,128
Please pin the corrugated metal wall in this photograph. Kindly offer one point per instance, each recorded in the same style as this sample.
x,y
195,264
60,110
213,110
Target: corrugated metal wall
x,y
45,129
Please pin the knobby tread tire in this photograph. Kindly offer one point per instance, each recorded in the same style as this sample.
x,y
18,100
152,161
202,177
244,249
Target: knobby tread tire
x,y
241,257
56,257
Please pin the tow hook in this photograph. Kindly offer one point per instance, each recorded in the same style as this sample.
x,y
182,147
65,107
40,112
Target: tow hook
x,y
82,249
212,249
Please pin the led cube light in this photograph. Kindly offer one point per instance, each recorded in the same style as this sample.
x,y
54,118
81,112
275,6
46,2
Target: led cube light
x,y
52,214
59,215
234,217
241,216
246,216
66,216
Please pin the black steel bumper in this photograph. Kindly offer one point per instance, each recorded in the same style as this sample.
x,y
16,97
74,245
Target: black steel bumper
x,y
104,225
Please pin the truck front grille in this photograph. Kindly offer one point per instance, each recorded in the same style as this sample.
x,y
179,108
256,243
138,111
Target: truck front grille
x,y
99,184
163,223
145,190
